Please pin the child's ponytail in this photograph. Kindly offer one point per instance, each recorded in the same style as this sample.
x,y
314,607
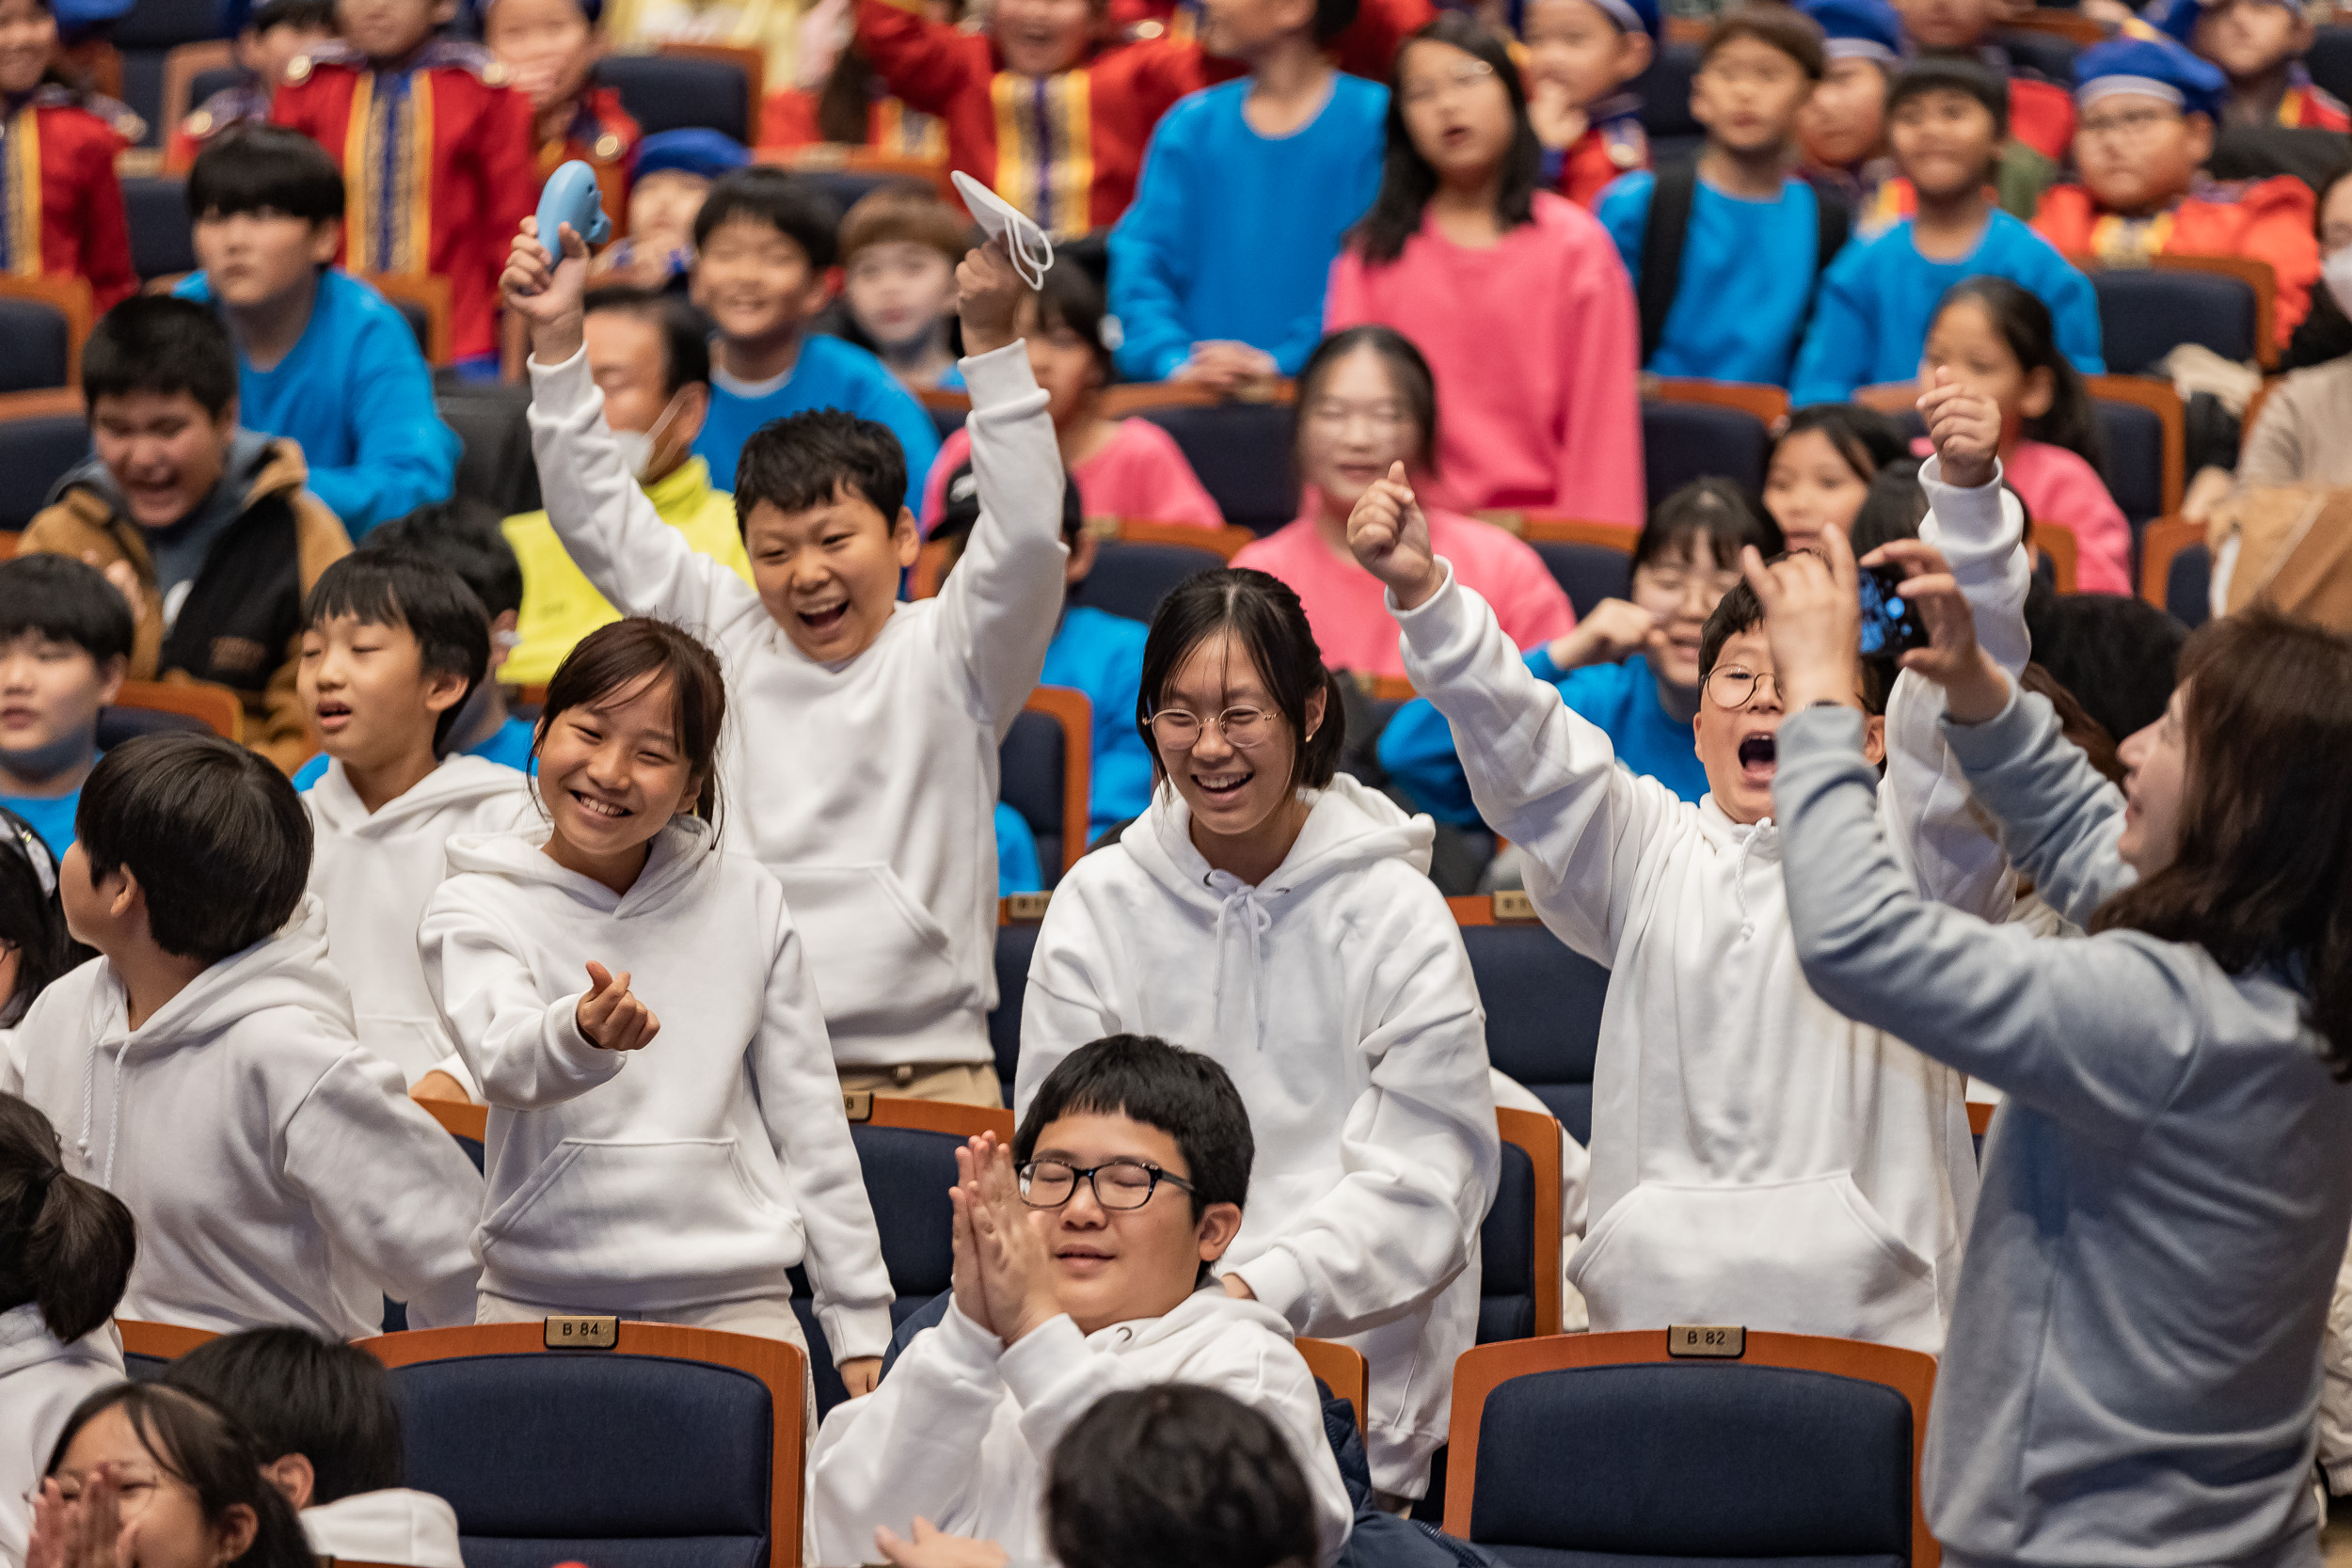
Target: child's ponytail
x,y
65,1245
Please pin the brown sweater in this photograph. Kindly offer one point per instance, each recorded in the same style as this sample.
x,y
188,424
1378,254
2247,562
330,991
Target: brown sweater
x,y
244,604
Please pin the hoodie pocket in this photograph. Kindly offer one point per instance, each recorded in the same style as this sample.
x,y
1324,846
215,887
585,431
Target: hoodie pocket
x,y
610,1212
881,963
1804,1257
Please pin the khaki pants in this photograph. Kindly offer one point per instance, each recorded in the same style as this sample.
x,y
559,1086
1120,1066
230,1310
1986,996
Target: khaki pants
x,y
965,1083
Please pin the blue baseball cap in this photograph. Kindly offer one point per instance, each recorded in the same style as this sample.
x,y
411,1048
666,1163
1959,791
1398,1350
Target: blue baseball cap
x,y
2178,18
2158,68
1631,16
1858,29
708,154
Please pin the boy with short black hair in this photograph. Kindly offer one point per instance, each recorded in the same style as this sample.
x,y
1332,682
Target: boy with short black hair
x,y
2259,45
1084,1265
276,1169
463,535
322,360
65,641
1580,55
437,148
327,1431
1871,322
765,246
2148,108
392,645
1725,252
276,33
1219,268
204,525
864,766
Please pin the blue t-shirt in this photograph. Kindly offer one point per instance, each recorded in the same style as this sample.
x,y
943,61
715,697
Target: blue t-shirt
x,y
1621,700
355,394
1102,655
509,746
830,373
1879,298
1231,234
1746,282
49,815
1017,868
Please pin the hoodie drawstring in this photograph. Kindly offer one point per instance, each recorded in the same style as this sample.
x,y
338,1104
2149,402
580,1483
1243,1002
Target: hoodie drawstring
x,y
1250,920
1740,882
89,1103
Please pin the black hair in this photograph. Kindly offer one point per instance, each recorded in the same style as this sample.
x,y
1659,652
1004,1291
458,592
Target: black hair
x,y
1177,1475
1263,615
795,207
1959,73
1714,512
156,343
65,1245
31,917
384,586
619,656
67,601
1408,181
203,1446
805,460
2023,320
1334,17
1183,1093
1740,611
2120,656
685,335
1415,385
1070,297
296,1393
317,14
1864,438
960,508
463,534
1894,508
1775,25
215,835
257,165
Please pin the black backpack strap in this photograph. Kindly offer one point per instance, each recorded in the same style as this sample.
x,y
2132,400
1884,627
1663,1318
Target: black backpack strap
x,y
1662,235
1837,226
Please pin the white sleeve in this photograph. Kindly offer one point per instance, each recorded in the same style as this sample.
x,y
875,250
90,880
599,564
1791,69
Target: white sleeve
x,y
1543,775
389,1185
1419,1149
1056,1378
1071,999
1938,837
800,1097
915,1445
1000,606
2335,1389
524,1051
612,531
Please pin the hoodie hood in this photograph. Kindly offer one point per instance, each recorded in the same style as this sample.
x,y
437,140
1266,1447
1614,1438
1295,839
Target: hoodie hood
x,y
252,458
1207,1305
683,855
26,1341
460,782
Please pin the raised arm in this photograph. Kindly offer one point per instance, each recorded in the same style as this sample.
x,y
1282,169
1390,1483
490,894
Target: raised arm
x,y
523,1050
924,62
1001,603
612,531
1149,248
1543,775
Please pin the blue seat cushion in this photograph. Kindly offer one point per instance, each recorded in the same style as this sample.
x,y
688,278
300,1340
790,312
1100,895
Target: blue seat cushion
x,y
1241,453
1505,1317
1014,944
1683,442
694,1551
1132,579
1507,1240
908,1172
1543,1008
1694,1460
1031,765
1586,573
1541,1557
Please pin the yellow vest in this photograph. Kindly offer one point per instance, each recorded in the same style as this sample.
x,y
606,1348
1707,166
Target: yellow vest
x,y
560,607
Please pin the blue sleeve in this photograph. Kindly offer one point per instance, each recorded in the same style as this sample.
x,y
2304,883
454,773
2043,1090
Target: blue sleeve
x,y
1625,213
892,405
2074,306
1416,749
405,456
1369,145
1840,347
1150,256
1016,855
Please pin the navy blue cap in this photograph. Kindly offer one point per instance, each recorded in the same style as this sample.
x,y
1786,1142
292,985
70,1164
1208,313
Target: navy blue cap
x,y
708,154
1858,29
1632,16
2178,18
2158,67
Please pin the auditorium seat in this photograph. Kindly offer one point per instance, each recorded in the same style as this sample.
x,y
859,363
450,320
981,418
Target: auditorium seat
x,y
1131,579
1016,941
36,345
1242,453
43,436
676,93
1044,773
1518,1292
1683,442
163,243
1543,1005
2146,312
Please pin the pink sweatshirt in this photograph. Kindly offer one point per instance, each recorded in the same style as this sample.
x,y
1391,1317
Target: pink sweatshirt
x,y
2058,486
1535,346
1141,475
1345,603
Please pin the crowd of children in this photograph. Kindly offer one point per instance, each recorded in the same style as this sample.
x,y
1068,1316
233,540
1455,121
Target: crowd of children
x,y
663,821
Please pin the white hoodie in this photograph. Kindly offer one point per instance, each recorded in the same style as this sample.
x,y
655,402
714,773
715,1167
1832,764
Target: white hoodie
x,y
373,874
867,786
415,1529
1337,995
41,1380
276,1169
694,1171
962,1429
1757,1158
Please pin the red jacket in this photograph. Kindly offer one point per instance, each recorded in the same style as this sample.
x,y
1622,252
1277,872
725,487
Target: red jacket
x,y
789,120
2308,106
2269,220
1367,48
603,136
1065,148
2041,115
446,198
73,225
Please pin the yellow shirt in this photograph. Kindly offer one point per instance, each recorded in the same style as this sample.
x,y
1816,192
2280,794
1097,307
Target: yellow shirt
x,y
560,607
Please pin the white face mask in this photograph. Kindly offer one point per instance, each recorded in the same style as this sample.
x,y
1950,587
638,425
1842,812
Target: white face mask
x,y
637,445
2336,272
1025,243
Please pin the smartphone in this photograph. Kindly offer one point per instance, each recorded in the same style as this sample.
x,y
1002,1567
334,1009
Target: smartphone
x,y
1890,624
